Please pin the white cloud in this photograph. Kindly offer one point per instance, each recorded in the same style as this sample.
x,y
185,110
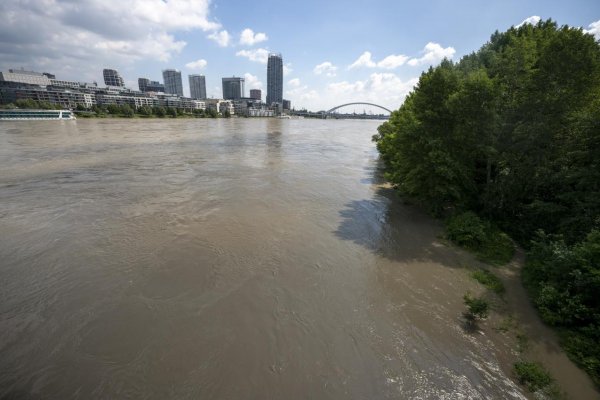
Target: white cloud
x,y
594,29
257,55
385,89
221,37
533,20
252,81
325,68
172,15
294,82
287,69
363,61
432,54
126,32
160,46
249,38
393,61
390,62
198,64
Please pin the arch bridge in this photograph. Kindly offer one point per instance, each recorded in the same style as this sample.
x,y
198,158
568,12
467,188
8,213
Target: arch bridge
x,y
358,103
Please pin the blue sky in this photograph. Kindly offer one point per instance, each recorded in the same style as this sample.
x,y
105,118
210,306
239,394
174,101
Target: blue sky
x,y
334,51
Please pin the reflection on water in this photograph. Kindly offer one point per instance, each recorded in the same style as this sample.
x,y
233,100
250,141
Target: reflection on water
x,y
222,259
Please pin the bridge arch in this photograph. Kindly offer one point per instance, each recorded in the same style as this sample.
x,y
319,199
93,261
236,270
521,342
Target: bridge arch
x,y
358,103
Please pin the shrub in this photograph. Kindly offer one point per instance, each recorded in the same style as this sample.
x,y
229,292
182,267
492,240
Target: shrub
x,y
477,307
481,237
466,230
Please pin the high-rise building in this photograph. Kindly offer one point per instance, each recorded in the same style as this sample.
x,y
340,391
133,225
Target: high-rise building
x,y
112,78
143,84
197,86
275,79
256,94
173,83
233,88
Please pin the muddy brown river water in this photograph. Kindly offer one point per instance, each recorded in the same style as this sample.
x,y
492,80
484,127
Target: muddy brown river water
x,y
224,259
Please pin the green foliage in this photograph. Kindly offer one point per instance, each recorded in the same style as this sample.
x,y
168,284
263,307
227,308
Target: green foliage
x,y
126,111
171,112
466,230
489,280
113,109
26,103
145,111
482,237
198,113
159,111
477,307
533,375
512,133
564,282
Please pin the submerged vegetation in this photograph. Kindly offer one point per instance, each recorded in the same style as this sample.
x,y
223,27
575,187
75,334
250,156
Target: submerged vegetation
x,y
489,280
508,139
536,379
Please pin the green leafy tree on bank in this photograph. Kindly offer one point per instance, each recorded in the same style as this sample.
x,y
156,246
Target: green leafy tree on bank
x,y
159,111
512,133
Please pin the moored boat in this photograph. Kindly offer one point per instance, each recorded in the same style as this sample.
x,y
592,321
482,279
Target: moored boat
x,y
29,114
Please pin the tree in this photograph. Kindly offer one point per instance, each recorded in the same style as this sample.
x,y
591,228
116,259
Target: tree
x,y
145,111
27,103
126,111
172,112
512,133
113,109
159,111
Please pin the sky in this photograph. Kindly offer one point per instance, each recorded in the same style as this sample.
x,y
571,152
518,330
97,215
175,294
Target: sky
x,y
334,52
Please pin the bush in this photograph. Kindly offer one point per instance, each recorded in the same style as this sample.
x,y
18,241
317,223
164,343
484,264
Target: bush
x,y
477,307
481,237
532,375
466,230
564,282
489,280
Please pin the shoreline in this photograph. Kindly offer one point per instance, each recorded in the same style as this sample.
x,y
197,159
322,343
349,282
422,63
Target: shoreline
x,y
514,324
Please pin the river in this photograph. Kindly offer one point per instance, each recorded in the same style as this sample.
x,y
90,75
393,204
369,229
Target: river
x,y
225,259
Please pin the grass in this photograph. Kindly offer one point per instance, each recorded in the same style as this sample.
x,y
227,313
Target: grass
x,y
489,280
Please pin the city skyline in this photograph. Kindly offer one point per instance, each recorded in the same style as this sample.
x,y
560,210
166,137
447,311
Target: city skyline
x,y
331,50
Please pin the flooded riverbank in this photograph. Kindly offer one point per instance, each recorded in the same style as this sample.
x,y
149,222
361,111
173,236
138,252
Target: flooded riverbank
x,y
226,259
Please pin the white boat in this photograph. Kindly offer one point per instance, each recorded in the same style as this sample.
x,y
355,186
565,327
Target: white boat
x,y
28,114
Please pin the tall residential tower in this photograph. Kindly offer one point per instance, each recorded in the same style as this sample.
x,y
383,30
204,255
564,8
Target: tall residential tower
x,y
173,83
197,86
275,79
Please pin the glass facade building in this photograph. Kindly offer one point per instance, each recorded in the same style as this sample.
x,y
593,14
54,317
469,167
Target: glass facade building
x,y
197,86
233,88
275,79
173,83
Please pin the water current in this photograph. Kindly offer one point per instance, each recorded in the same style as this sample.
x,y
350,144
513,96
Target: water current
x,y
224,259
